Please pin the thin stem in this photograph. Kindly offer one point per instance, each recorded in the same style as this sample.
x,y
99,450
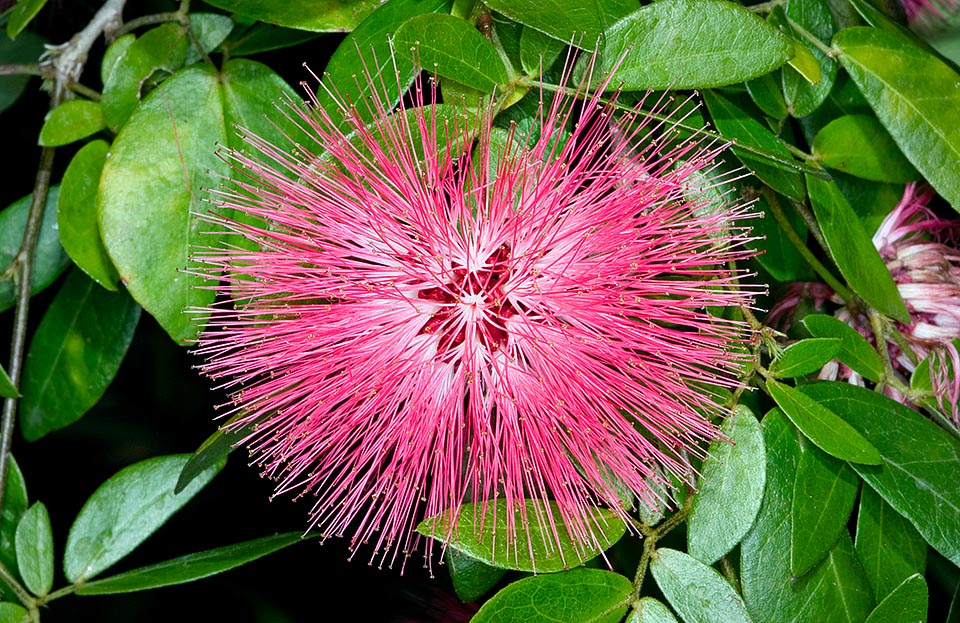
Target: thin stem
x,y
21,69
801,248
650,543
147,20
803,32
23,596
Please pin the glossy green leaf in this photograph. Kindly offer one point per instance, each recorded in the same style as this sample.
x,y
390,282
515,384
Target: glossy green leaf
x,y
151,190
71,121
26,48
916,97
697,592
823,495
823,427
888,545
859,145
575,596
855,351
804,95
162,49
13,613
481,531
250,91
190,567
113,54
34,541
313,15
729,497
804,64
212,451
580,22
906,604
835,590
920,461
22,14
691,44
649,610
736,126
804,357
368,51
471,578
7,389
14,505
74,355
538,51
454,49
261,37
49,259
77,214
766,93
211,30
126,509
775,251
872,201
852,249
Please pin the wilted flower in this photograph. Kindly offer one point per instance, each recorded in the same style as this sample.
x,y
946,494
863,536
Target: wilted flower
x,y
421,326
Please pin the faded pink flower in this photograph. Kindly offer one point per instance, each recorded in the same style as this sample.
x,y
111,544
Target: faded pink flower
x,y
419,328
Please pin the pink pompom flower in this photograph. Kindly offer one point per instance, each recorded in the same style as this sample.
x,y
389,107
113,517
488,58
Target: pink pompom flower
x,y
418,318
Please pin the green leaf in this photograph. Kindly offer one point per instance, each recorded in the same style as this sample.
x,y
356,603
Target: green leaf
x,y
250,90
368,50
49,260
729,497
14,505
852,249
151,190
13,613
471,578
858,145
803,95
114,54
27,48
907,603
35,550
313,15
916,97
77,214
697,592
835,590
481,531
581,22
649,610
804,63
920,461
71,121
804,357
823,427
262,37
736,126
74,355
538,51
824,492
213,450
691,44
855,351
7,389
22,14
766,93
211,30
162,49
575,596
775,251
888,545
126,509
190,567
452,48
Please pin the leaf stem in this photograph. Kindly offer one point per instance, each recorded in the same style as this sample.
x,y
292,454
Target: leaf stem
x,y
650,543
803,32
23,596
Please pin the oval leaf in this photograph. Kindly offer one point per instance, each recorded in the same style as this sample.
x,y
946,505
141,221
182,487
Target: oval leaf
x,y
649,610
315,15
920,461
27,48
732,486
126,509
823,427
697,592
190,567
7,389
13,613
481,531
804,357
35,550
858,145
75,353
14,505
575,596
471,578
691,44
49,260
916,97
852,249
823,495
906,604
452,48
581,22
888,545
151,189
71,121
805,93
538,51
855,351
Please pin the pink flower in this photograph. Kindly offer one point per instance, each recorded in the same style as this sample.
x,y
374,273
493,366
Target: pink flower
x,y
926,14
418,328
